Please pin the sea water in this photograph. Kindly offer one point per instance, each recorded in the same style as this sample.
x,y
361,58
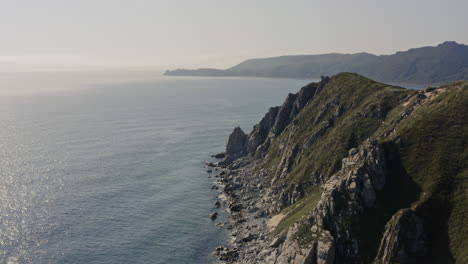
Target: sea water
x,y
109,169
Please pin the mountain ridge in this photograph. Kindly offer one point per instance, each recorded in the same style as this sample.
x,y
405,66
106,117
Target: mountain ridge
x,y
350,170
444,63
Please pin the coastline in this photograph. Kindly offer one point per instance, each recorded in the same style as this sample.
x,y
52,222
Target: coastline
x,y
240,191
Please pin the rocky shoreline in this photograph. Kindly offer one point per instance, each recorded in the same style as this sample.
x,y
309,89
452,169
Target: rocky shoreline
x,y
250,201
252,222
251,241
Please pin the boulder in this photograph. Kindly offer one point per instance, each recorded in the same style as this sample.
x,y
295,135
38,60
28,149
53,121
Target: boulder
x,y
213,216
235,207
219,155
249,237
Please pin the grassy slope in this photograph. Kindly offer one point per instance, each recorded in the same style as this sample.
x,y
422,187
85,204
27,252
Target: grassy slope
x,y
434,153
431,159
295,212
354,96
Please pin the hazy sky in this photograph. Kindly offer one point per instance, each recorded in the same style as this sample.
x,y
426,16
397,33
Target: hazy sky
x,y
42,34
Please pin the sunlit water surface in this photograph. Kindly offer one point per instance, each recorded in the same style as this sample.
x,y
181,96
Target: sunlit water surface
x,y
109,168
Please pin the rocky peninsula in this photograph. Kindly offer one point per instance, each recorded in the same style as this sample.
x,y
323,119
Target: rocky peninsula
x,y
349,170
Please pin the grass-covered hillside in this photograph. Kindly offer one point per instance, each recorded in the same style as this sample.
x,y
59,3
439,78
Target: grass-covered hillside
x,y
424,135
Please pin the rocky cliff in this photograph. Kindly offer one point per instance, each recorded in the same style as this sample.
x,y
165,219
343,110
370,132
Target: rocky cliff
x,y
349,170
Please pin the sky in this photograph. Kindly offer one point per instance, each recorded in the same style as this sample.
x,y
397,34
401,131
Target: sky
x,y
159,34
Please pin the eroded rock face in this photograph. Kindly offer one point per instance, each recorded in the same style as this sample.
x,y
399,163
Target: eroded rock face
x,y
344,197
261,130
293,104
287,161
403,240
236,146
272,124
284,114
236,142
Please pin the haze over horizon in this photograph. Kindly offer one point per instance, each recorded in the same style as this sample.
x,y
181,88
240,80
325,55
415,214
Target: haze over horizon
x,y
53,34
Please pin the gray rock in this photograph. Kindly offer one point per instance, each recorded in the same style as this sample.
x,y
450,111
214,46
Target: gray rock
x,y
352,151
344,197
235,207
277,241
404,240
214,215
249,237
236,142
219,155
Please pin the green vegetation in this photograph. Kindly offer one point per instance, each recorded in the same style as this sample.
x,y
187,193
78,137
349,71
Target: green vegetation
x,y
434,152
426,153
346,104
297,211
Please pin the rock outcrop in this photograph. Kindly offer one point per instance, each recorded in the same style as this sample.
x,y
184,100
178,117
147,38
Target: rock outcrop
x,y
404,239
349,170
335,220
272,124
236,146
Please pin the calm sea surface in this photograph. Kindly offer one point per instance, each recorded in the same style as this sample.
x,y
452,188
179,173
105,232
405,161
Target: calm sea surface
x,y
109,169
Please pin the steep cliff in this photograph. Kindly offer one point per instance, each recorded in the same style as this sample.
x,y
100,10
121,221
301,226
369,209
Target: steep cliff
x,y
349,170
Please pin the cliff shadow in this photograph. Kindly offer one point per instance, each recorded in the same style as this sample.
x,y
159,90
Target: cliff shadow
x,y
400,191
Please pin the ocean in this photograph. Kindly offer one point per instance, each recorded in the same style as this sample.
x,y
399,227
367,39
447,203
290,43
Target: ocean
x,y
109,168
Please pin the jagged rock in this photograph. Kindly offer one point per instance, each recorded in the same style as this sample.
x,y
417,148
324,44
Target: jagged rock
x,y
210,164
219,155
217,204
261,130
277,241
344,197
272,124
287,161
235,207
323,81
236,142
263,148
293,104
214,215
403,240
248,238
284,113
225,254
325,251
236,146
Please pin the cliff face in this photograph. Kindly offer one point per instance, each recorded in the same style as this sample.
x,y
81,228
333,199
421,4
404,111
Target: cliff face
x,y
349,170
272,124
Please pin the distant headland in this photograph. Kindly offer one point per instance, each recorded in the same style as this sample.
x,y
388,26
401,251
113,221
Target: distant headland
x,y
444,63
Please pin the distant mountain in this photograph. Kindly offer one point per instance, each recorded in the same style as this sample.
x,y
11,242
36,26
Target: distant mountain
x,y
444,63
